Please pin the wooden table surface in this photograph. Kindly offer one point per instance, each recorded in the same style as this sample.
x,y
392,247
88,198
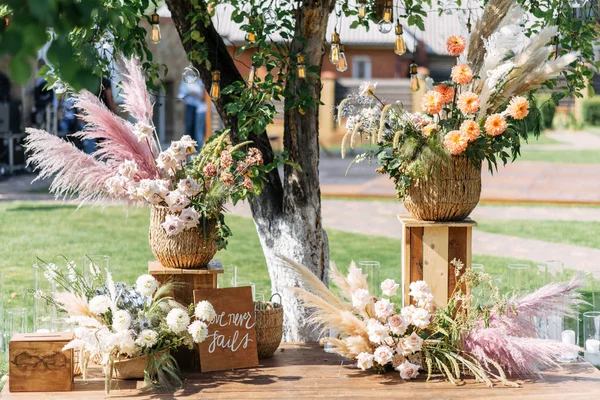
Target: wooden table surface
x,y
304,371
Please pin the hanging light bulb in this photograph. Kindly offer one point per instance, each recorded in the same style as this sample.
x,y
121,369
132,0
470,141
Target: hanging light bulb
x,y
399,45
251,74
301,66
362,8
155,22
414,79
215,88
385,25
342,64
334,52
190,75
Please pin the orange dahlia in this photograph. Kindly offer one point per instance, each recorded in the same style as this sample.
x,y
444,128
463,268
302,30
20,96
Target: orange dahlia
x,y
455,45
455,142
429,129
468,103
470,130
447,93
495,124
462,74
431,102
518,108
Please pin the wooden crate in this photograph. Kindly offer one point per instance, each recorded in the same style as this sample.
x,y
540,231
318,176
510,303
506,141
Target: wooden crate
x,y
37,362
428,247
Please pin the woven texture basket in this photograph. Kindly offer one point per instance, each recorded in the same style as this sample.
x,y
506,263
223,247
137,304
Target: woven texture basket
x,y
451,195
269,326
191,248
133,368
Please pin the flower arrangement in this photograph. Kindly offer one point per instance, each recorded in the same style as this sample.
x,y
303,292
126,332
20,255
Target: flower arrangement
x,y
484,110
114,321
486,342
129,163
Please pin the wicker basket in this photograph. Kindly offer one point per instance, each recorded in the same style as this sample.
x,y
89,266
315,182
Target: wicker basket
x,y
133,368
191,248
450,195
269,326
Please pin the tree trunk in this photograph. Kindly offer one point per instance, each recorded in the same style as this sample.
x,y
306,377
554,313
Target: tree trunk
x,y
287,215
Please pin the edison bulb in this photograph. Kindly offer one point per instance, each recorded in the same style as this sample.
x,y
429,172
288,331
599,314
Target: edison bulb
x,y
156,36
190,75
362,12
301,66
399,44
342,64
215,87
385,26
334,53
414,83
387,14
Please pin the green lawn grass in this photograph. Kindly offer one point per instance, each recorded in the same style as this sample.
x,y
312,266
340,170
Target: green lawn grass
x,y
562,156
582,233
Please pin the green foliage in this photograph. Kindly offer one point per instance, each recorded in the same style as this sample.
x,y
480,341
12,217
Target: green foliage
x,y
591,111
547,110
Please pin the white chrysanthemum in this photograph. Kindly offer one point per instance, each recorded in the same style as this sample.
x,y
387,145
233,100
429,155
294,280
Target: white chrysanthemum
x,y
364,361
99,304
198,330
147,338
360,299
146,285
127,345
205,311
178,320
121,321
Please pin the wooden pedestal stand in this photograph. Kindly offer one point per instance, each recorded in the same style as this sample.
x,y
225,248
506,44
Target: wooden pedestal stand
x,y
188,280
428,248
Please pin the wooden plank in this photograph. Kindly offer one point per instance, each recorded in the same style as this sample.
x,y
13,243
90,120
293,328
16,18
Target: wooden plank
x,y
156,268
435,262
457,249
409,221
416,254
304,371
469,256
405,264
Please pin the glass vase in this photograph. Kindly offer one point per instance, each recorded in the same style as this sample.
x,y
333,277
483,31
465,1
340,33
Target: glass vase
x,y
44,313
591,336
95,267
570,335
15,321
519,278
371,268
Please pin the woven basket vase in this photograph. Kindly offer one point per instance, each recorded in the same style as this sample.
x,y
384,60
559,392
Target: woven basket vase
x,y
449,195
269,327
133,368
191,248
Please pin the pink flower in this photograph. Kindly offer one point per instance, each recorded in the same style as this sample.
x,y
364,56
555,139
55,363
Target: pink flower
x,y
177,201
413,343
397,325
248,184
518,108
470,130
172,225
227,178
495,125
360,298
455,45
447,92
376,331
226,159
408,370
210,170
431,102
468,103
461,74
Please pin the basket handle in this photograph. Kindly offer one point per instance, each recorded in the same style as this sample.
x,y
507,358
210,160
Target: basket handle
x,y
276,294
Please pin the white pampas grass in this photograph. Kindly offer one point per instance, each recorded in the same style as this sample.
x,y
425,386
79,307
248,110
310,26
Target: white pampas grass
x,y
73,304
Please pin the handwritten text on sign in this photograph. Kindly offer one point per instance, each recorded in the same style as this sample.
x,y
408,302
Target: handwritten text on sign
x,y
231,341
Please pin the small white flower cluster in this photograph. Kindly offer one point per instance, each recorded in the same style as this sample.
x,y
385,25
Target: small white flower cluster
x,y
394,336
178,320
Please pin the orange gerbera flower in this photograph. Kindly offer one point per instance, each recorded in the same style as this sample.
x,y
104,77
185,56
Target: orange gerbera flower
x,y
455,142
470,130
462,74
468,103
447,93
431,102
518,108
455,45
495,124
428,130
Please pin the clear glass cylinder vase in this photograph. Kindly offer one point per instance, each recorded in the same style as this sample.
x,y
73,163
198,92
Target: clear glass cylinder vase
x,y
591,336
372,269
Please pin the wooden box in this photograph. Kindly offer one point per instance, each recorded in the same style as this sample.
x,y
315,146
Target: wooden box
x,y
428,248
37,362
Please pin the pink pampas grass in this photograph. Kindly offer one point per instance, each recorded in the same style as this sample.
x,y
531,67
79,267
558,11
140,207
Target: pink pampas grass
x,y
508,336
118,142
135,95
75,173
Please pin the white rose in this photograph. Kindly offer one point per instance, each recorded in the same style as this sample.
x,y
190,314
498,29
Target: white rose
x,y
420,318
177,151
178,320
389,287
397,325
121,321
167,162
205,311
147,338
412,343
188,186
143,131
407,313
408,370
99,304
199,331
190,217
360,299
172,225
115,185
189,144
145,188
177,201
419,289
383,355
364,361
146,285
377,331
128,169
384,308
